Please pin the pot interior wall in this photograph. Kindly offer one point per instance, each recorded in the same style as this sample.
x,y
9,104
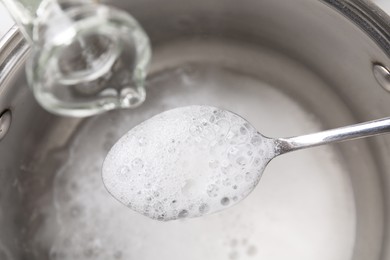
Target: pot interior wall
x,y
289,68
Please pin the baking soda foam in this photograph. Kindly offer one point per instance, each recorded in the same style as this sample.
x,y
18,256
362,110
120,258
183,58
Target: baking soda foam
x,y
186,162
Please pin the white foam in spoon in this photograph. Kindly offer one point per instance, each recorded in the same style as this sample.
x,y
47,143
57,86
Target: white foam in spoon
x,y
196,160
186,162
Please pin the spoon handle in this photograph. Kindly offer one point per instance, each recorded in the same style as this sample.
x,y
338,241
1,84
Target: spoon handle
x,y
367,129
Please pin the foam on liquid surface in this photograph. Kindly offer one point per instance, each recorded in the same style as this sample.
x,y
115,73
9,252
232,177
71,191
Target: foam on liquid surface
x,y
186,162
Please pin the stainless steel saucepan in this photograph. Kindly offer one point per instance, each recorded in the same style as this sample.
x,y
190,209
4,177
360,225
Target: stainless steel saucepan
x,y
289,67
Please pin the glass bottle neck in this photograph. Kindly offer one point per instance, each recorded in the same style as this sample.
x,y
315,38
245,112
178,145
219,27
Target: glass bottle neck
x,y
26,12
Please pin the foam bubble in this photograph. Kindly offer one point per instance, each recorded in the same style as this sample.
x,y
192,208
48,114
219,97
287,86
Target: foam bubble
x,y
186,162
183,213
212,190
137,164
225,201
204,208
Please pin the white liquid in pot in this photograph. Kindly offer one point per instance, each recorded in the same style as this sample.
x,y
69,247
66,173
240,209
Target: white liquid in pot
x,y
303,208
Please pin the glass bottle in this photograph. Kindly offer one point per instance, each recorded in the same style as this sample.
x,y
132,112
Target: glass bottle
x,y
86,57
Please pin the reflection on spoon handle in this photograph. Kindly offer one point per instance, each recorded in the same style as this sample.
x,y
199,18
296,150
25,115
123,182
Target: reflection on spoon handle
x,y
367,129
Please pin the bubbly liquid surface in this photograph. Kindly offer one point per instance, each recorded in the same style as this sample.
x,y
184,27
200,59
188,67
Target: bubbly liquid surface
x,y
186,162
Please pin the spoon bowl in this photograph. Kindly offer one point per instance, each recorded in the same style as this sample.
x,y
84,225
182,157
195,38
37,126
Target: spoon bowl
x,y
187,162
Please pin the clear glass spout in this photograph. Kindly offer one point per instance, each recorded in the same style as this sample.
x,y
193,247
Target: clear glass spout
x,y
86,58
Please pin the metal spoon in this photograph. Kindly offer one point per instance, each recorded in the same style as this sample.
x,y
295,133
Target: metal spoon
x,y
192,161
